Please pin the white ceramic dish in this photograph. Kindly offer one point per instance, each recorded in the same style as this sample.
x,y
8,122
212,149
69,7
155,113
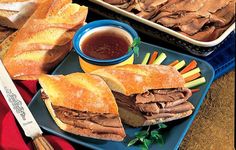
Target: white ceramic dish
x,y
165,29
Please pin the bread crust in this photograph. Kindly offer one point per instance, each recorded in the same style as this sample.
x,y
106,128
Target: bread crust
x,y
79,91
29,66
135,79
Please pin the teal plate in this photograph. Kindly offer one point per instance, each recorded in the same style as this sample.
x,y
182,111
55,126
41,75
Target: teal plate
x,y
173,135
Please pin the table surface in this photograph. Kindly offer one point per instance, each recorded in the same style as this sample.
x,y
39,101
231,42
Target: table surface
x,y
213,127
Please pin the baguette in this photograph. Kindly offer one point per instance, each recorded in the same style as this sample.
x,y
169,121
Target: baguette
x,y
14,13
148,94
44,40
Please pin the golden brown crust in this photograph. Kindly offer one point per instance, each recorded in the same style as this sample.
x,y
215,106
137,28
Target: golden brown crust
x,y
80,131
79,91
44,40
134,79
33,65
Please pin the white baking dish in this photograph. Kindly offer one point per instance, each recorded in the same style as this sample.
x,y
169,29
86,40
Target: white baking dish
x,y
165,29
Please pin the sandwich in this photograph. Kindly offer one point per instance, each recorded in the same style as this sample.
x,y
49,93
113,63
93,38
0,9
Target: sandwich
x,y
147,94
82,104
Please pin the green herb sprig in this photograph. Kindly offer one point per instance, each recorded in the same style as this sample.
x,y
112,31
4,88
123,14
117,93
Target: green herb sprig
x,y
135,46
148,137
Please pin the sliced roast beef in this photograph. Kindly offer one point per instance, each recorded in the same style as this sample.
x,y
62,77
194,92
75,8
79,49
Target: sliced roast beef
x,y
161,103
177,109
177,20
148,108
151,5
202,20
98,123
211,6
146,14
163,95
185,6
223,16
194,26
204,35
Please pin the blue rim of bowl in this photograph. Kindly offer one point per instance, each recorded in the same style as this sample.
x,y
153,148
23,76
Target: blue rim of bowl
x,y
99,23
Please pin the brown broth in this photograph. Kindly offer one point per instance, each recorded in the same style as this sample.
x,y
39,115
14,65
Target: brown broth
x,y
105,45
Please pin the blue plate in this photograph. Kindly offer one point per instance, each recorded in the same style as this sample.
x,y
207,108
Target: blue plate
x,y
173,135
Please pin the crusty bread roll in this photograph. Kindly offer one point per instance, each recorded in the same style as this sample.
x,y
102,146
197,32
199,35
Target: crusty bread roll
x,y
89,103
14,13
44,40
134,79
147,94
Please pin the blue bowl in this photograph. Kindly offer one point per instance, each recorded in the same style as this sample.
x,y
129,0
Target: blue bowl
x,y
102,23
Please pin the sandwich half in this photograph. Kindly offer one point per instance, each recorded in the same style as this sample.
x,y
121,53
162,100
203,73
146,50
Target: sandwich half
x,y
148,94
82,104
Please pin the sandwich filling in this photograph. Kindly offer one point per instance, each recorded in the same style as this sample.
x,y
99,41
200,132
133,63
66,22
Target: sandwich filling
x,y
97,123
157,104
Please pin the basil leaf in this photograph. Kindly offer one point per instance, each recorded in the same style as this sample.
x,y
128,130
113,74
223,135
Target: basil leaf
x,y
162,126
138,41
141,134
154,133
147,142
136,51
160,139
132,142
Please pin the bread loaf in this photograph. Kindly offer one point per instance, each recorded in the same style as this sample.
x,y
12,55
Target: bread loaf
x,y
14,13
44,40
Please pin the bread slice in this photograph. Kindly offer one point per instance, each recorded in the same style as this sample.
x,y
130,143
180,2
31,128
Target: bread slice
x,y
82,94
15,13
134,88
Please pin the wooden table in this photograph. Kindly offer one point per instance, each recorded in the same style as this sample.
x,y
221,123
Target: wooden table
x,y
213,127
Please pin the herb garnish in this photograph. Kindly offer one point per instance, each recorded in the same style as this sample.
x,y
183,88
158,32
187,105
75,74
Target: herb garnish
x,y
135,46
148,137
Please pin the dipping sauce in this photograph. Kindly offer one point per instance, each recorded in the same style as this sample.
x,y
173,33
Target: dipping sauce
x,y
105,45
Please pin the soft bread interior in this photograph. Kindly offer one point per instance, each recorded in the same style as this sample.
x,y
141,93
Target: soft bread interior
x,y
113,83
77,130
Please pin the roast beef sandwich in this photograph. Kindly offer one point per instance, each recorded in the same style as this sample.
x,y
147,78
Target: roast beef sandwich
x,y
148,94
82,104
